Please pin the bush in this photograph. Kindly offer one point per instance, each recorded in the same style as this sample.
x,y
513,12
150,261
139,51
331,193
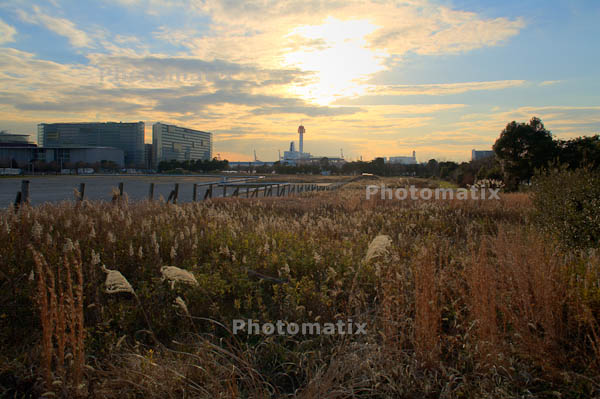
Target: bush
x,y
567,204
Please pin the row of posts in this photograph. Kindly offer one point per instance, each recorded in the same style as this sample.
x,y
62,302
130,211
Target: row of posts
x,y
251,192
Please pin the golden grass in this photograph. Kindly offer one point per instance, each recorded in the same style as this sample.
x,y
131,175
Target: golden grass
x,y
464,299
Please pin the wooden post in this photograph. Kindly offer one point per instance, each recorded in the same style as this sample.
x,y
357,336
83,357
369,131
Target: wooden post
x,y
176,193
81,191
151,192
25,191
208,193
247,191
224,190
17,201
195,193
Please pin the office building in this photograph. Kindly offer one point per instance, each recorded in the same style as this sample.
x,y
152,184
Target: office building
x,y
170,142
129,137
477,155
148,156
11,139
23,156
403,160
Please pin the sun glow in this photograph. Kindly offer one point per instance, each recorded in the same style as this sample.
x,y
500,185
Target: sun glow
x,y
337,53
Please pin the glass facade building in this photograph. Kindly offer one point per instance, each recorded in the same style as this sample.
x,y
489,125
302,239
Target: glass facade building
x,y
170,142
128,137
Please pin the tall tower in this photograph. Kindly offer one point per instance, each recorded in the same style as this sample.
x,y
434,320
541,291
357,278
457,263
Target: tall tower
x,y
301,132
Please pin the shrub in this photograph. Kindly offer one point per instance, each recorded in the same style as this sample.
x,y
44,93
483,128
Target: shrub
x,y
567,204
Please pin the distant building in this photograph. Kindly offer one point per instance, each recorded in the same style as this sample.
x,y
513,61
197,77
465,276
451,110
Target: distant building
x,y
477,155
293,157
403,160
11,139
129,137
25,155
248,164
170,142
148,156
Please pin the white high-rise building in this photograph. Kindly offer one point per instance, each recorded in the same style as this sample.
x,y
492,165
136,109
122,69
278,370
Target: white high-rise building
x,y
170,142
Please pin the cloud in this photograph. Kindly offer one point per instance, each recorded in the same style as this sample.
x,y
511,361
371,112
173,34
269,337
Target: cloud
x,y
443,31
161,70
445,139
314,111
416,109
192,103
550,82
7,32
444,88
60,26
419,26
355,36
80,104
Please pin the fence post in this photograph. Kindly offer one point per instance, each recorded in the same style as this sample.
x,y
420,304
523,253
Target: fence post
x,y
81,191
175,193
121,190
151,192
17,201
224,190
208,193
194,195
25,191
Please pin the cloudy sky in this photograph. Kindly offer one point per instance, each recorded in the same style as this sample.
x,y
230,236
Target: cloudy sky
x,y
371,77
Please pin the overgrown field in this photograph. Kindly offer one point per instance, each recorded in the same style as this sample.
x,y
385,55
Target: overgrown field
x,y
465,299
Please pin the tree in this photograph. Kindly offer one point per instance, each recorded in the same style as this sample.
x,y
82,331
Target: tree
x,y
580,152
522,148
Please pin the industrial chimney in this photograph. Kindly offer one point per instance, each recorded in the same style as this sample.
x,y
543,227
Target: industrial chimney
x,y
301,132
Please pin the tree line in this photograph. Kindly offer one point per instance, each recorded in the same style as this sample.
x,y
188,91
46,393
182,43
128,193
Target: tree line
x,y
198,165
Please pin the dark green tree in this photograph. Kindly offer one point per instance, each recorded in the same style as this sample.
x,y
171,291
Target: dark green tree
x,y
522,148
580,152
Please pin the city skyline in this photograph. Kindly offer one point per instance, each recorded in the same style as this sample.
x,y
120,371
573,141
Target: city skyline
x,y
374,78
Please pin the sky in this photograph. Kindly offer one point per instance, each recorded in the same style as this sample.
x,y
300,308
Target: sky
x,y
374,78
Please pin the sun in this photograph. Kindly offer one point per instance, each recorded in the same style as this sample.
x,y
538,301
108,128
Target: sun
x,y
338,54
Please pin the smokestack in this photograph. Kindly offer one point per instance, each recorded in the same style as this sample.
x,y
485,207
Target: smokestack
x,y
301,132
414,154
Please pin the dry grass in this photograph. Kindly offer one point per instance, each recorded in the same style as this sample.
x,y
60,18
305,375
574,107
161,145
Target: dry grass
x,y
60,300
465,299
